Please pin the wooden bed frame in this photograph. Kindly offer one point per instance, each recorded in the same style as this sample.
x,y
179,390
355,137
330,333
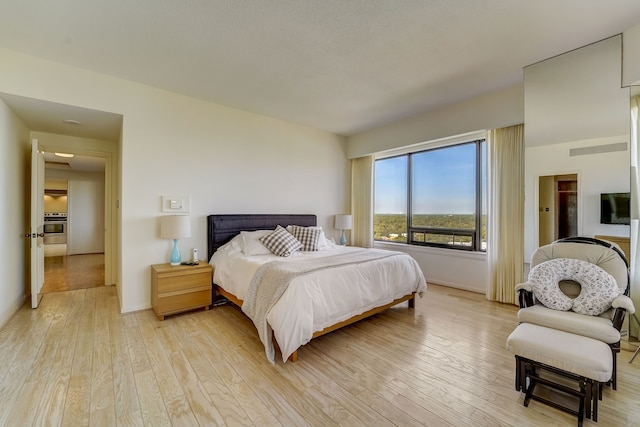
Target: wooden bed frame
x,y
222,228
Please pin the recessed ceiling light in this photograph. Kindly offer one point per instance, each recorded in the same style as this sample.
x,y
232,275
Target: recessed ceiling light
x,y
71,121
63,154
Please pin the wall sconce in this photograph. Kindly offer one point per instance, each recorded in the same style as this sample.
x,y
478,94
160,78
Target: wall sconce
x,y
343,222
175,227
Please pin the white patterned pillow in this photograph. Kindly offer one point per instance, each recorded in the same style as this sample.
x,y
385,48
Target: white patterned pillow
x,y
544,279
308,236
598,288
281,242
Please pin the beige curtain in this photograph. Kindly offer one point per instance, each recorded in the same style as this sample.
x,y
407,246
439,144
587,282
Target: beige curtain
x,y
362,201
505,245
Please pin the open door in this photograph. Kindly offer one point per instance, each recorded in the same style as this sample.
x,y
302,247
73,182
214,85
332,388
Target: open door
x,y
37,223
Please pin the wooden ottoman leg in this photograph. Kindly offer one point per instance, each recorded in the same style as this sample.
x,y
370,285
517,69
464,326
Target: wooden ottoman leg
x,y
614,377
520,374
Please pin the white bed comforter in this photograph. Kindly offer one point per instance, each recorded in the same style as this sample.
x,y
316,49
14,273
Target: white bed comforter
x,y
320,299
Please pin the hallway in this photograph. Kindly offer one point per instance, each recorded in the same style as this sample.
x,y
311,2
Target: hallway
x,y
71,272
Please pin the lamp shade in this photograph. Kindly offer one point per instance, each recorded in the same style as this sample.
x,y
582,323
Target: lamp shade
x,y
343,222
175,226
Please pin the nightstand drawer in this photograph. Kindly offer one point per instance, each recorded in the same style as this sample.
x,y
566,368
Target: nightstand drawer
x,y
180,288
182,302
179,281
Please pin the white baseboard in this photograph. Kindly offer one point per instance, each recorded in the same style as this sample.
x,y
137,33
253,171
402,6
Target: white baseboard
x,y
125,310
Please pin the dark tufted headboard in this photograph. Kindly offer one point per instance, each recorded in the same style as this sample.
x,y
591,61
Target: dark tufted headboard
x,y
222,228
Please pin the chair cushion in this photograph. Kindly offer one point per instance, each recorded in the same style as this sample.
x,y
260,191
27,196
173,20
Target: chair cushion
x,y
568,352
598,288
596,327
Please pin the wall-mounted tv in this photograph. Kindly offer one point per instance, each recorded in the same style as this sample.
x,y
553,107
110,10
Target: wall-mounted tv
x,y
615,208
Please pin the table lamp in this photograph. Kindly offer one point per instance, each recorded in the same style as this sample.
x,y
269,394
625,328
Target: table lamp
x,y
175,227
343,222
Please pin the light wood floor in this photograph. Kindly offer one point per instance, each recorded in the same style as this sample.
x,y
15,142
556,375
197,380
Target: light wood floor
x,y
70,272
76,361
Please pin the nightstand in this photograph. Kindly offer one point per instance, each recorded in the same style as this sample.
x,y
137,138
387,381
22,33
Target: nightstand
x,y
178,288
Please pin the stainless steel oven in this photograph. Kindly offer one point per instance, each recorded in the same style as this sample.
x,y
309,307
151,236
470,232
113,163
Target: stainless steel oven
x,y
55,227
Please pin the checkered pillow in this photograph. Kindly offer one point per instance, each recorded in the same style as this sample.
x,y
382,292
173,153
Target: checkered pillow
x,y
281,242
308,236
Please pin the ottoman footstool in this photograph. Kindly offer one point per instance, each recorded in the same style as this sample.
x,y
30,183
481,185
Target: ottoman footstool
x,y
585,361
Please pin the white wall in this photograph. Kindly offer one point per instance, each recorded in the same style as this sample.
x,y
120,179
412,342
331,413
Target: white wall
x,y
86,214
576,96
226,160
631,56
456,269
14,215
597,173
493,110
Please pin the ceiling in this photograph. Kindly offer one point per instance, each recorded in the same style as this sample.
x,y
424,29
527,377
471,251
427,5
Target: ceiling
x,y
51,117
76,163
336,65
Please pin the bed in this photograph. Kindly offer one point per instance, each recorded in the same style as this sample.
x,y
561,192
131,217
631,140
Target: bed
x,y
296,298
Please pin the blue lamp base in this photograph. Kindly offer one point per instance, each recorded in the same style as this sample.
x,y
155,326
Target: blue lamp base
x,y
175,253
343,239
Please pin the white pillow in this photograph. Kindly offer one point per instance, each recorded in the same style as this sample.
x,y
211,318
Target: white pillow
x,y
598,288
232,246
597,293
251,244
323,242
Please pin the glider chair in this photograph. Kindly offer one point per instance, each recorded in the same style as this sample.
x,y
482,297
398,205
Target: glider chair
x,y
571,311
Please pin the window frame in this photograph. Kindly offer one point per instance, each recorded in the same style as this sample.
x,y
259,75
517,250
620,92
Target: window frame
x,y
476,234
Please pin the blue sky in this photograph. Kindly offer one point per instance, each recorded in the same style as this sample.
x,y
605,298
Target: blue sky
x,y
443,182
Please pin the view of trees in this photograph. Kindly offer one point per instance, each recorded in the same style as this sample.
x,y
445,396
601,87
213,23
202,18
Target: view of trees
x,y
390,227
393,227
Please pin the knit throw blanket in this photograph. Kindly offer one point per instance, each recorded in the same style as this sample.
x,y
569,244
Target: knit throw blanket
x,y
273,278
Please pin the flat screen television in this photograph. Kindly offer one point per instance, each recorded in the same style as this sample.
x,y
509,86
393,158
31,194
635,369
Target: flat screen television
x,y
615,208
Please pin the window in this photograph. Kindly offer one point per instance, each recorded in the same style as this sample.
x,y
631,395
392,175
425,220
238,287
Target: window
x,y
434,197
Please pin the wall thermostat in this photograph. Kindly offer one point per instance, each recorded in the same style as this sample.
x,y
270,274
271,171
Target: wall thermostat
x,y
176,204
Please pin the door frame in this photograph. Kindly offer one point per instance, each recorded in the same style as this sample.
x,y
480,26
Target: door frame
x,y
536,200
110,206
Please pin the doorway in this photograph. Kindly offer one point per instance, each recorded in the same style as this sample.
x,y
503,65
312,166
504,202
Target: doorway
x,y
74,196
557,207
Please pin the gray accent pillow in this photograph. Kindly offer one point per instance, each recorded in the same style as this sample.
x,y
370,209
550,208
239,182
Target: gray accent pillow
x,y
281,242
308,236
